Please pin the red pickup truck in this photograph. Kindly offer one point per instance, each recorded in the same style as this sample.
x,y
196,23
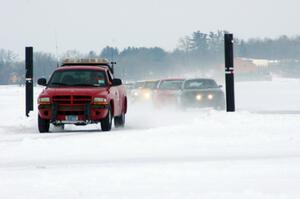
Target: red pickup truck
x,y
80,92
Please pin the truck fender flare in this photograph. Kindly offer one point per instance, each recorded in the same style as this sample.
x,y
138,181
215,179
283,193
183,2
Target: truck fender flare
x,y
112,107
125,105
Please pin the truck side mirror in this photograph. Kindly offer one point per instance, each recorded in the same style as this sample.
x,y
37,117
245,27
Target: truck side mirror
x,y
42,81
116,82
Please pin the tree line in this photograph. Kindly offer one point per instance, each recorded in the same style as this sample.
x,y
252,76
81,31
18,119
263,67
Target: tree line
x,y
198,52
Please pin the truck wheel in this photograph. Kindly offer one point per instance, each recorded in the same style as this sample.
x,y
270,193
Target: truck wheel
x,y
107,122
43,125
119,121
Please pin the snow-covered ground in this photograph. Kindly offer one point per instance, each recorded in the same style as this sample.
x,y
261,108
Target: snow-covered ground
x,y
161,153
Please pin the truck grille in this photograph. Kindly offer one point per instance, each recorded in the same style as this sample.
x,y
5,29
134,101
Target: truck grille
x,y
71,99
70,112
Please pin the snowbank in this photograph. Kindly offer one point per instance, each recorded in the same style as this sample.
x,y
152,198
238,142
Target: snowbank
x,y
161,153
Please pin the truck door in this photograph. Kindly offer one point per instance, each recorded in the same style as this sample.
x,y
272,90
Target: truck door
x,y
115,96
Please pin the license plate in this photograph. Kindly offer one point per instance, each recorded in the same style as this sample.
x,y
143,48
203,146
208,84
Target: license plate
x,y
71,118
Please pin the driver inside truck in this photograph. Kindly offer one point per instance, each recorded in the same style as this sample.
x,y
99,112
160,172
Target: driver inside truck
x,y
97,79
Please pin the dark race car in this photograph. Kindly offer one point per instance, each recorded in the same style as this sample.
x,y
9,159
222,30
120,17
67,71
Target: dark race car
x,y
201,93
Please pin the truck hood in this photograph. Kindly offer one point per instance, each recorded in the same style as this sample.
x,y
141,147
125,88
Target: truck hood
x,y
90,91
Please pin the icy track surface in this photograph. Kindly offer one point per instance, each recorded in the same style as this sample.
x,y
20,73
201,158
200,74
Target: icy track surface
x,y
163,154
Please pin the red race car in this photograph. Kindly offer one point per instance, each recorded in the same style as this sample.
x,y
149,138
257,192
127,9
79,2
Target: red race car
x,y
167,92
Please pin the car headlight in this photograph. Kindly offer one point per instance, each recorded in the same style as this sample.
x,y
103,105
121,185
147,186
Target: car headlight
x,y
44,100
100,100
135,93
147,95
210,96
199,97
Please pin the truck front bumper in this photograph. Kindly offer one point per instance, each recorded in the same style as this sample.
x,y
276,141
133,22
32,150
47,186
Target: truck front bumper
x,y
72,114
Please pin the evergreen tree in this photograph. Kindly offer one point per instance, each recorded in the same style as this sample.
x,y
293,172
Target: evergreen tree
x,y
110,53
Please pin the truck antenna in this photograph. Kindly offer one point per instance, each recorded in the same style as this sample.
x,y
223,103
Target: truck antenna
x,y
112,60
56,49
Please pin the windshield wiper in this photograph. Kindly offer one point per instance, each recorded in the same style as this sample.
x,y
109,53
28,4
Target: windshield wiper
x,y
64,84
93,85
59,83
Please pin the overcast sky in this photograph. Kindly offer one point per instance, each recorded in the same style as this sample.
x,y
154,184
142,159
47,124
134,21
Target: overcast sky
x,y
93,24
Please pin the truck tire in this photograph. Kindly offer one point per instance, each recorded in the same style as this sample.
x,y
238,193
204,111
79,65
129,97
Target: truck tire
x,y
120,121
107,122
43,125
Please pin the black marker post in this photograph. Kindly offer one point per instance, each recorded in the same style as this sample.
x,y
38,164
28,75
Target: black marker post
x,y
229,73
29,79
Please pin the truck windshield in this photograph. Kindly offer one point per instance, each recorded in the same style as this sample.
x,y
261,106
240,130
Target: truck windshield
x,y
89,78
200,84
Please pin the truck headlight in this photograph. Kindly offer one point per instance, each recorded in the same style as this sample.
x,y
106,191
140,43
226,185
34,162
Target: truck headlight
x,y
100,100
44,100
199,97
210,96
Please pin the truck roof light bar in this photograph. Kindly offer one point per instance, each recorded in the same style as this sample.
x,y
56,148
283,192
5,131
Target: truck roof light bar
x,y
100,61
90,62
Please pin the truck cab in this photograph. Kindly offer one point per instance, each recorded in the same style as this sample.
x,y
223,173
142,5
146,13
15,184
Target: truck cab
x,y
81,92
